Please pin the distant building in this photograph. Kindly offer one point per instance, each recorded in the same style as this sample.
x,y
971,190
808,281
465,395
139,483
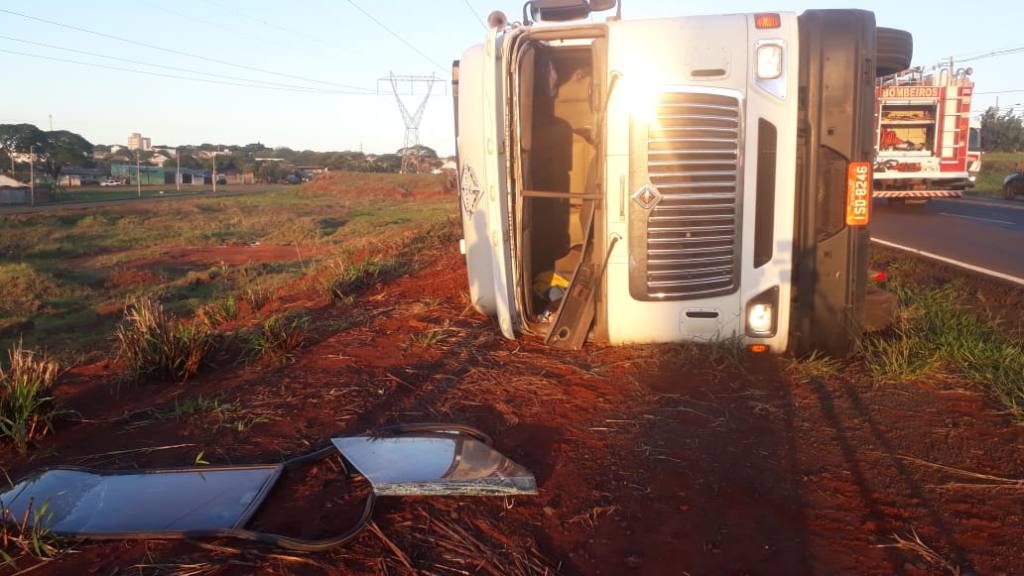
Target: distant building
x,y
12,191
157,175
72,177
314,170
190,177
139,142
150,174
8,182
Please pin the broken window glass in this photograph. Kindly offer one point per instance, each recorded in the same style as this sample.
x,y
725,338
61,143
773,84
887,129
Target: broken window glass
x,y
79,501
434,465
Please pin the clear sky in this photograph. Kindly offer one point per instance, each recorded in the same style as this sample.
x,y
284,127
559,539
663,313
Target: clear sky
x,y
322,44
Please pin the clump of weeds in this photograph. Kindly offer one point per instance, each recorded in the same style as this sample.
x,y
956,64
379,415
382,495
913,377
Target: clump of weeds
x,y
27,536
346,280
221,312
934,333
816,366
27,410
152,343
277,339
257,295
429,338
229,415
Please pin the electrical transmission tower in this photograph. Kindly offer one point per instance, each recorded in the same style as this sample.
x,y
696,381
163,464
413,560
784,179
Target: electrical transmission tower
x,y
410,86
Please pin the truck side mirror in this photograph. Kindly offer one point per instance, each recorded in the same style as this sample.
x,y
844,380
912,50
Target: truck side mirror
x,y
602,5
557,10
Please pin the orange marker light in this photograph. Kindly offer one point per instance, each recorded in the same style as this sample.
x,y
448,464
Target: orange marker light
x,y
758,348
767,21
858,194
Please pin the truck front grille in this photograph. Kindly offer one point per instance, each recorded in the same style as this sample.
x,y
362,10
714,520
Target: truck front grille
x,y
693,160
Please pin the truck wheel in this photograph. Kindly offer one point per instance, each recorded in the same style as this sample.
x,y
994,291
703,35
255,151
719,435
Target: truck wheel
x,y
1010,190
894,49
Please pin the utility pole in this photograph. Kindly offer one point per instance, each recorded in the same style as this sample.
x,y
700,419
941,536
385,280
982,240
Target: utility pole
x,y
138,173
32,173
51,122
177,172
214,179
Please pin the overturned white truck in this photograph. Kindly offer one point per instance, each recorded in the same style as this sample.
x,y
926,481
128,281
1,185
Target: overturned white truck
x,y
691,178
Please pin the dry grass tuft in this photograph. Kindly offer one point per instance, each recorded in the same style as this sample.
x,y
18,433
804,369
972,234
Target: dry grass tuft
x,y
151,343
277,339
979,481
26,409
461,552
913,543
817,366
27,537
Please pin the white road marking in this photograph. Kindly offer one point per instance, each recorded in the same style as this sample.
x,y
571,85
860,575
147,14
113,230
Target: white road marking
x,y
965,265
978,218
1009,204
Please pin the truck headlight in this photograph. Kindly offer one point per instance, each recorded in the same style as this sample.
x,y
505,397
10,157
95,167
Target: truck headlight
x,y
762,314
769,61
770,66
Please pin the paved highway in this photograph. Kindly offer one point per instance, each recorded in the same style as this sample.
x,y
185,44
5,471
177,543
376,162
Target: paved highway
x,y
987,234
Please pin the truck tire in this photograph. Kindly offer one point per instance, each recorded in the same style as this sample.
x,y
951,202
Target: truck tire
x,y
894,50
1012,188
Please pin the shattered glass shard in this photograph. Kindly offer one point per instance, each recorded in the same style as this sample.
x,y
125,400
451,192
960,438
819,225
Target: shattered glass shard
x,y
434,465
79,501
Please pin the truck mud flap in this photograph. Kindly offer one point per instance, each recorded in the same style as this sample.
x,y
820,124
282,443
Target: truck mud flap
x,y
837,73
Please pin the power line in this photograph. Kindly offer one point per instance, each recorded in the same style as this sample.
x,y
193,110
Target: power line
x,y
397,37
999,92
278,27
175,68
184,16
177,77
475,13
174,51
992,54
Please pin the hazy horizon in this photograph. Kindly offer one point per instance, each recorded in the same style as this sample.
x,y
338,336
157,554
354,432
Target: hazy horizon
x,y
320,50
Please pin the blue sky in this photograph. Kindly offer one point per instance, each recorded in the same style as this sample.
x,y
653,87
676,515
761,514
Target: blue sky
x,y
331,42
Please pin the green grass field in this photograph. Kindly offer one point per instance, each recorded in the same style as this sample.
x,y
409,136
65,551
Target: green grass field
x,y
65,276
994,167
101,193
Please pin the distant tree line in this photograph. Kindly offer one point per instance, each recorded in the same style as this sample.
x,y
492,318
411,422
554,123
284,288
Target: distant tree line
x,y
61,149
53,150
1002,131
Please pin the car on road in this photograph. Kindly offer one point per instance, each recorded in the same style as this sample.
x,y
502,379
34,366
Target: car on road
x,y
110,182
1013,185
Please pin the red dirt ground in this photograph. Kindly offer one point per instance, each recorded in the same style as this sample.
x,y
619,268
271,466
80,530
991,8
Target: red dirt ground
x,y
649,460
231,255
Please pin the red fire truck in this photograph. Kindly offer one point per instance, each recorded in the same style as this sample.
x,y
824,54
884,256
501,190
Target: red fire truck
x,y
924,135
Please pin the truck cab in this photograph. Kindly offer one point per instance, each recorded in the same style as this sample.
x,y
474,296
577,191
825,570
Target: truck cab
x,y
677,179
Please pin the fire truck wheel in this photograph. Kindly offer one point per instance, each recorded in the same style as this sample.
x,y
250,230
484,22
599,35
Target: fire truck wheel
x,y
1010,189
894,51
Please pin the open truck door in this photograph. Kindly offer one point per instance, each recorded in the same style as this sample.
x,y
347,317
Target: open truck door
x,y
483,188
